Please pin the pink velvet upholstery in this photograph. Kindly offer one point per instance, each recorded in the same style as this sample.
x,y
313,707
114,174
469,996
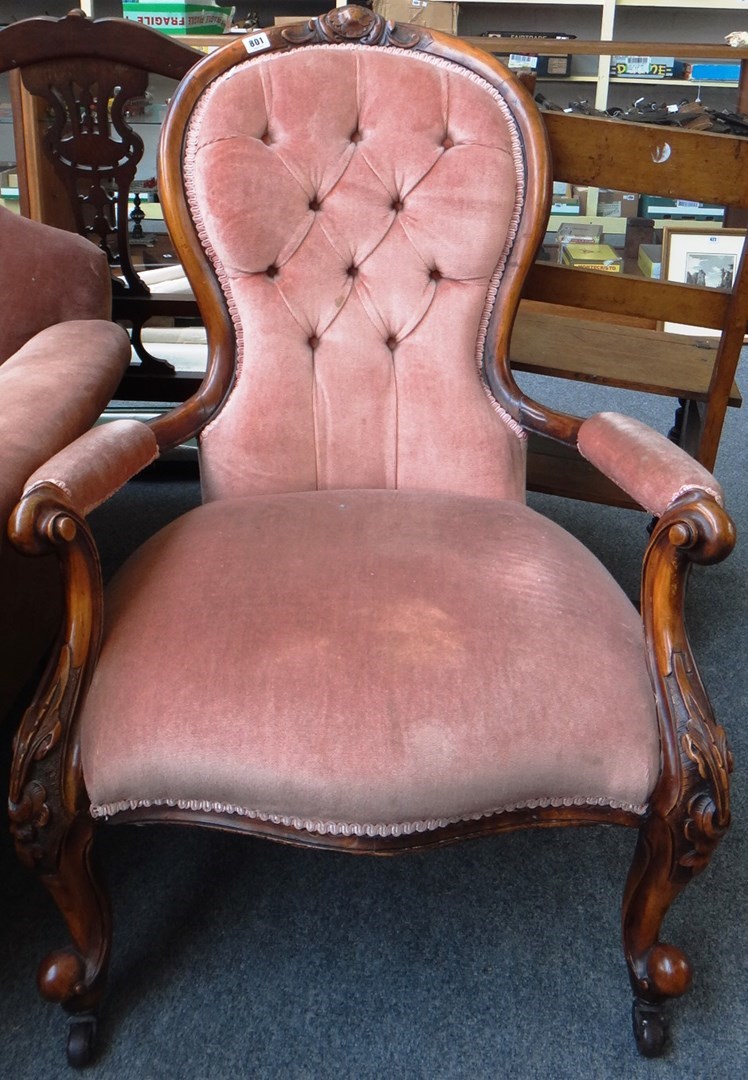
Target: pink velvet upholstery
x,y
643,462
368,662
363,629
47,276
99,463
358,267
52,389
61,359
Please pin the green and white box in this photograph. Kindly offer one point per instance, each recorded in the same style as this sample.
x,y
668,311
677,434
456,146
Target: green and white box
x,y
173,17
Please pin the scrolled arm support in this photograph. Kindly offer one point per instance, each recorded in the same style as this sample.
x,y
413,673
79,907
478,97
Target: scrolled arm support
x,y
696,761
690,806
48,804
42,520
46,791
699,527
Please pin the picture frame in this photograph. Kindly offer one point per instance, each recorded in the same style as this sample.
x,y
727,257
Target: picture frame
x,y
703,256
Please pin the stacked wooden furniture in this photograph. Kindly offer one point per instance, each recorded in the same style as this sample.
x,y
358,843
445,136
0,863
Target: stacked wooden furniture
x,y
73,81
604,344
698,371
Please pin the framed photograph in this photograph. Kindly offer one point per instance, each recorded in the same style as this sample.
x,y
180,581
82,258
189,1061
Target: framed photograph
x,y
700,256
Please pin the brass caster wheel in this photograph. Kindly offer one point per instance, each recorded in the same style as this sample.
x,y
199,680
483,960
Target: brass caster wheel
x,y
81,1041
650,1029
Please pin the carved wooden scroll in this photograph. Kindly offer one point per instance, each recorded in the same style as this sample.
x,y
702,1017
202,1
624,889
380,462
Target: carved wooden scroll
x,y
690,806
354,24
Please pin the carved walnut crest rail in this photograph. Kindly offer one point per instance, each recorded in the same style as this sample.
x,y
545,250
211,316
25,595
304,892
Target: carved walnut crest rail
x,y
352,24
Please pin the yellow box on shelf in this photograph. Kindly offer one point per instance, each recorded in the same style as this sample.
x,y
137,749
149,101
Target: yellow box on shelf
x,y
592,257
650,260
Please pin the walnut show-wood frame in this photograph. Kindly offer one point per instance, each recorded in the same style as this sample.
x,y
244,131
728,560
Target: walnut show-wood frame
x,y
688,811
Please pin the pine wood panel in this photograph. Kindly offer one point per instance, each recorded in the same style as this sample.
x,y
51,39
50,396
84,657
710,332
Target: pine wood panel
x,y
625,356
649,159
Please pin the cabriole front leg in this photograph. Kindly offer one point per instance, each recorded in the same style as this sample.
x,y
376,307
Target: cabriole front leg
x,y
658,971
75,976
48,805
690,806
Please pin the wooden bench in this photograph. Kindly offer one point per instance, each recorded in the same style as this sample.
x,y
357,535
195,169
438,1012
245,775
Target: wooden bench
x,y
593,336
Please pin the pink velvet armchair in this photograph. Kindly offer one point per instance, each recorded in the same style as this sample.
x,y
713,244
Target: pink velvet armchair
x,y
367,640
60,362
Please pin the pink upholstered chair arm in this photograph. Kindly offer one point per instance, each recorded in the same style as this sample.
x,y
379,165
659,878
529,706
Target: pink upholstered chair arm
x,y
51,391
644,463
99,463
47,276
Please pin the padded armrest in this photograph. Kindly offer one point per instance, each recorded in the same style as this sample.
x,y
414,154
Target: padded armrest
x,y
644,463
99,463
52,390
47,276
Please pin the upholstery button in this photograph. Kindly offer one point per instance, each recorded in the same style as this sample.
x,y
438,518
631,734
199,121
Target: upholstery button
x,y
314,204
266,138
356,136
313,341
397,205
272,270
435,274
352,271
391,342
447,143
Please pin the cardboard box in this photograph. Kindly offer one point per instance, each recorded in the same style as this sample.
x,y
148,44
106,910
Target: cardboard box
x,y
548,64
610,203
592,257
8,178
436,14
715,72
289,20
657,206
175,17
645,67
565,205
577,232
650,260
542,66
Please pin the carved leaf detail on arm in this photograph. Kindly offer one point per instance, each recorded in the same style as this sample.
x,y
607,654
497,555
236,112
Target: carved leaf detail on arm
x,y
46,789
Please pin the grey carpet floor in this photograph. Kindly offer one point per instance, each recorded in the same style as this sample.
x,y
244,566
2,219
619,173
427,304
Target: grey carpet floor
x,y
500,958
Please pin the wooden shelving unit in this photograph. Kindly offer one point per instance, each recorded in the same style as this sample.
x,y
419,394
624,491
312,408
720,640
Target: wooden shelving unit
x,y
603,19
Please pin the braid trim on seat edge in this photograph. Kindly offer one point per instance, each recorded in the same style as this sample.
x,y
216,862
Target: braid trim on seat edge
x,y
340,828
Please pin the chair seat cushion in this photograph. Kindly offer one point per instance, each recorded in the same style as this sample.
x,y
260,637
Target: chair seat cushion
x,y
368,662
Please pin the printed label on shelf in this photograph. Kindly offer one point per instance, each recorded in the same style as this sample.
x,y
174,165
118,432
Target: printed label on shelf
x,y
516,60
637,65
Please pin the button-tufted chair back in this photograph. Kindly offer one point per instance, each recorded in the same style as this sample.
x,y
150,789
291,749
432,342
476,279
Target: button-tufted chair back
x,y
359,205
